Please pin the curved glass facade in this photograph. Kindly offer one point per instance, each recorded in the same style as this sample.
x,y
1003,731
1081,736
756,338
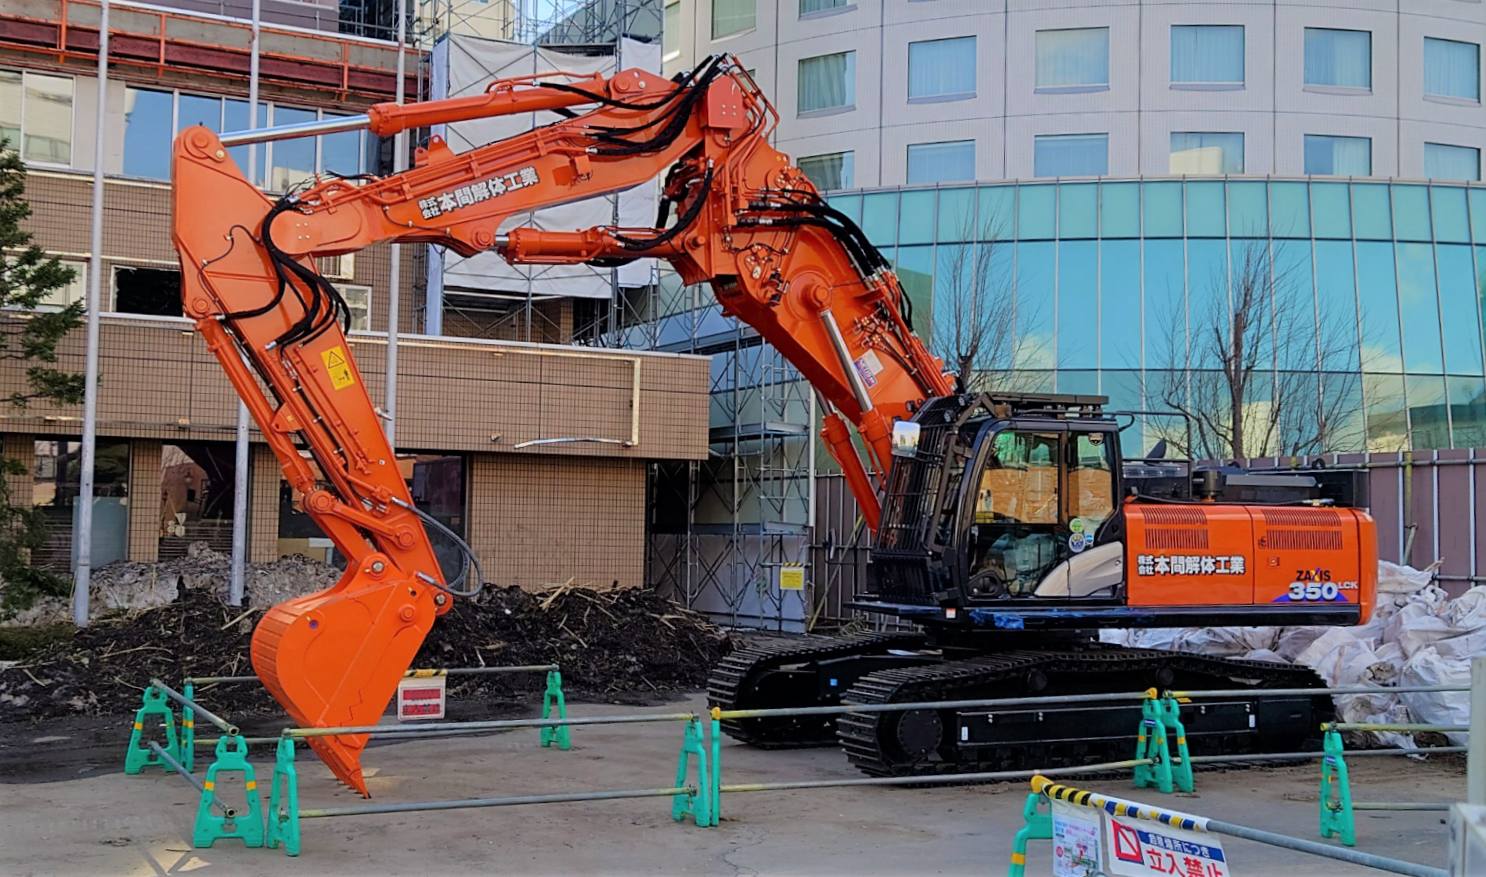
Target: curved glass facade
x,y
1117,288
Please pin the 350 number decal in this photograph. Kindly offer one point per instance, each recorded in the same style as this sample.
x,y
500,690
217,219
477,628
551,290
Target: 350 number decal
x,y
1313,592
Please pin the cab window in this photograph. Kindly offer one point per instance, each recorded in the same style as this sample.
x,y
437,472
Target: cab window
x,y
1090,479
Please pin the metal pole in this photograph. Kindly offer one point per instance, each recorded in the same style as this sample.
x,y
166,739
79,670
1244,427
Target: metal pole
x,y
200,786
227,727
1475,757
437,727
83,538
301,129
492,802
1366,860
394,283
237,584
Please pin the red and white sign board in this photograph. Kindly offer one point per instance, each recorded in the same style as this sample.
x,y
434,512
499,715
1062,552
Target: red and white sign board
x,y
421,698
1139,848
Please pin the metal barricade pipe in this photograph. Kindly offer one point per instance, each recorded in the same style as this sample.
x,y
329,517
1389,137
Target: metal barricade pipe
x,y
418,806
159,750
1375,726
226,727
931,780
420,730
414,674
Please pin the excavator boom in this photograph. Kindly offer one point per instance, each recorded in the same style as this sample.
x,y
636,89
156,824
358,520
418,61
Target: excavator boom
x,y
747,222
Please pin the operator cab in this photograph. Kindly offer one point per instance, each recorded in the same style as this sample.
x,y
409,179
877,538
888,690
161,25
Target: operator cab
x,y
1007,501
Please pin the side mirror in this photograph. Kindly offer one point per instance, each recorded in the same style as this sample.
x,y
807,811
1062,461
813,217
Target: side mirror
x,y
905,439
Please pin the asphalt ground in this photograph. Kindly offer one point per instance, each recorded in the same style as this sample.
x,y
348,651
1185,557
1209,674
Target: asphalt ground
x,y
66,808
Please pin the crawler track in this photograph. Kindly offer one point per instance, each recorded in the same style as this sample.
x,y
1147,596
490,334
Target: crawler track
x,y
875,741
734,682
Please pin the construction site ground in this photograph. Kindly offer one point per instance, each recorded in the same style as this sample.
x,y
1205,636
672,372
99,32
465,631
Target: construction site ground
x,y
67,808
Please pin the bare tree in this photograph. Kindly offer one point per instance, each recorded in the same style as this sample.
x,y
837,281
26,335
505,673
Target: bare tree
x,y
1250,375
975,306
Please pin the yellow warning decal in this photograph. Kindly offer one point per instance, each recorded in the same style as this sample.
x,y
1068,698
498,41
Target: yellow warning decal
x,y
338,367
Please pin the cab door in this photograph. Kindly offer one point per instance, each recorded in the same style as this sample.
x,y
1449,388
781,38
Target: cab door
x,y
1014,514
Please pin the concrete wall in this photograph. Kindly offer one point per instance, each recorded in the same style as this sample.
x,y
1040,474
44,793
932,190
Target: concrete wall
x,y
1139,110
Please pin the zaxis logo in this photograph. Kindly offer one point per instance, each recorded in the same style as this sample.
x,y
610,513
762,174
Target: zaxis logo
x,y
1313,575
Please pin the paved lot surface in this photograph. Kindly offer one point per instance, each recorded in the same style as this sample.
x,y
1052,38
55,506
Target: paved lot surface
x,y
107,823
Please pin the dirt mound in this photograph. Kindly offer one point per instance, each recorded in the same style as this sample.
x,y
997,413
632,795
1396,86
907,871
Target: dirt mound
x,y
617,641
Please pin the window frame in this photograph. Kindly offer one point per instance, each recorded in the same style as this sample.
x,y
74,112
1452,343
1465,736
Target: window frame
x,y
20,148
1475,149
268,108
1041,138
1242,157
712,23
1455,99
1203,84
908,161
1367,139
947,96
827,12
80,281
671,54
844,154
1078,88
1323,88
832,109
343,289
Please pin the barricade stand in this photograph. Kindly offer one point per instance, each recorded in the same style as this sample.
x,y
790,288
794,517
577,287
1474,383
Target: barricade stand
x,y
553,697
1336,815
140,756
1039,827
698,807
188,730
232,756
283,801
715,736
1160,720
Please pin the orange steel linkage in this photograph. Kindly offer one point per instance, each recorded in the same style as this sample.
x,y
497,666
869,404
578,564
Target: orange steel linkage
x,y
747,222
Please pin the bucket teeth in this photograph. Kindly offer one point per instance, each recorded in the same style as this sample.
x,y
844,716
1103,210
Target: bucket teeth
x,y
334,658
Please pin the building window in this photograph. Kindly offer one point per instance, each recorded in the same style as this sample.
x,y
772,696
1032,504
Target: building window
x,y
670,35
828,82
153,292
61,297
1338,156
1338,58
1452,69
1071,155
36,116
153,118
56,486
195,497
731,16
941,69
832,171
810,7
951,162
1207,54
1444,162
1073,59
358,302
1206,153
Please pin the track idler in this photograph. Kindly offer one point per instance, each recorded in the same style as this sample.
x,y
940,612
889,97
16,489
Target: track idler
x,y
334,658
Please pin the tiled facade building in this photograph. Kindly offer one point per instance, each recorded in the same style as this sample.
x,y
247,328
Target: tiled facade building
x,y
166,411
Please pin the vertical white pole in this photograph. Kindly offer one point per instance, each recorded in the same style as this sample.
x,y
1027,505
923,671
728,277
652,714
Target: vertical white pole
x,y
394,284
83,538
1475,755
237,583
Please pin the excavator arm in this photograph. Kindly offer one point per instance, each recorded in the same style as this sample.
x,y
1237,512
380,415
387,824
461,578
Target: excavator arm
x,y
746,221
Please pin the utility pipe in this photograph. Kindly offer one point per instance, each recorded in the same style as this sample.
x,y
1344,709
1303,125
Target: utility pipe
x,y
419,806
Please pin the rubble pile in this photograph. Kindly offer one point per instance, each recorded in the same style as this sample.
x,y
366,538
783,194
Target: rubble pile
x,y
1418,636
133,585
620,640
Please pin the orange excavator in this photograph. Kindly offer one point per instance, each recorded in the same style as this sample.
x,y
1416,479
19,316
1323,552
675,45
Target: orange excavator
x,y
1008,526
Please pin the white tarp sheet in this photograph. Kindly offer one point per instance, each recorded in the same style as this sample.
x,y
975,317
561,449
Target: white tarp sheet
x,y
1417,636
465,65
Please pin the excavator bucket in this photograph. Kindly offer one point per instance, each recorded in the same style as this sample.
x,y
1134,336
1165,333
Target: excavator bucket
x,y
333,658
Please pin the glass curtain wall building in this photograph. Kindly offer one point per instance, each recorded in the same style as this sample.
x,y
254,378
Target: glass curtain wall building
x,y
1114,285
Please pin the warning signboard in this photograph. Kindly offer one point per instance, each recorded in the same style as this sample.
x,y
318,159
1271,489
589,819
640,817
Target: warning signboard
x,y
338,367
792,578
1136,848
1075,840
421,698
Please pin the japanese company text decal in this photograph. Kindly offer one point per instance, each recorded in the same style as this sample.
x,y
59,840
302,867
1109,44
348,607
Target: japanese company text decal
x,y
474,193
